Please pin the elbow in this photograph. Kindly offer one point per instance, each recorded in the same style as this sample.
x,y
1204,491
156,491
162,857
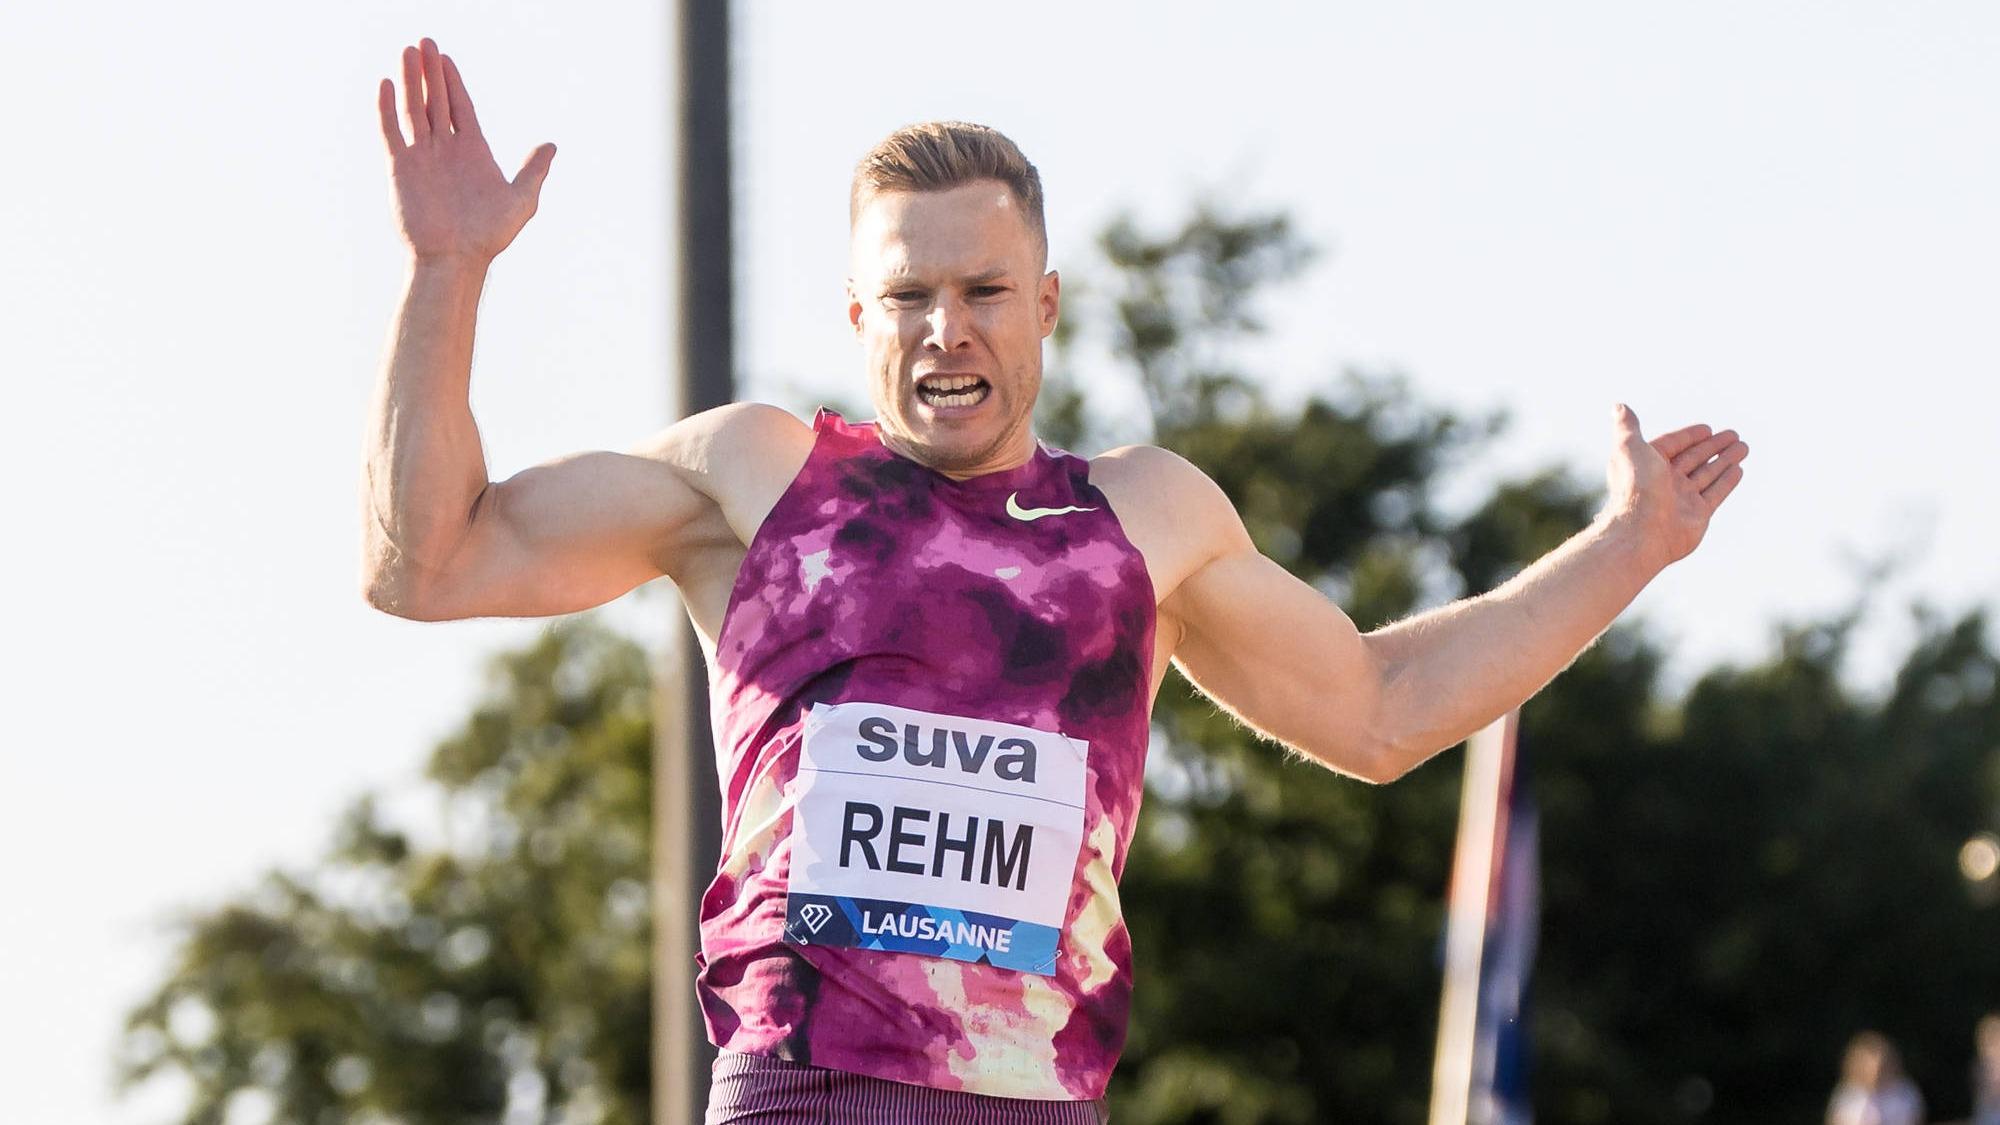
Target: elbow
x,y
395,607
1381,761
1384,758
1362,755
1371,747
385,598
1374,743
395,595
1376,749
398,583
1395,734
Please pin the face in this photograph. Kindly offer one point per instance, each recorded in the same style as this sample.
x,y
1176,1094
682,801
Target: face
x,y
950,304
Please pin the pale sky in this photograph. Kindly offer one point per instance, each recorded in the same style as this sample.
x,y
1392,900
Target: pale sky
x,y
1777,217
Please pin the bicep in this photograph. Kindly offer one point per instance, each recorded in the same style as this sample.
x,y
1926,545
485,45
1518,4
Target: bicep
x,y
1278,655
564,536
1269,649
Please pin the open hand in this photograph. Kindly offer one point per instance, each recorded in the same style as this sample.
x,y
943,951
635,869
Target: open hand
x,y
1667,488
452,200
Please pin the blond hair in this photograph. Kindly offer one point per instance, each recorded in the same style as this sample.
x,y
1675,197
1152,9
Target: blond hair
x,y
941,155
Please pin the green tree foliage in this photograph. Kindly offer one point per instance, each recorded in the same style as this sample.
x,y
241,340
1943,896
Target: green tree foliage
x,y
501,975
1735,881
1743,888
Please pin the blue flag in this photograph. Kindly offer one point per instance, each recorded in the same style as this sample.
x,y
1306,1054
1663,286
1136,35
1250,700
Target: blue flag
x,y
1499,1094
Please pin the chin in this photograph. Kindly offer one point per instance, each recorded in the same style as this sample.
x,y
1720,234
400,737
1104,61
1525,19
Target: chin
x,y
955,448
953,455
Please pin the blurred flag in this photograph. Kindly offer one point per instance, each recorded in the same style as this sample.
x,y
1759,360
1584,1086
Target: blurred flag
x,y
1481,1076
1500,1041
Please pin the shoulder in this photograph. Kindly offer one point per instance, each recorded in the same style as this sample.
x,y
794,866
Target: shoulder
x,y
714,449
1142,464
1172,512
742,457
1138,479
739,427
1147,483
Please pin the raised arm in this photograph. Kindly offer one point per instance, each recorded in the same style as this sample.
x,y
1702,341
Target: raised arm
x,y
1289,663
424,470
439,539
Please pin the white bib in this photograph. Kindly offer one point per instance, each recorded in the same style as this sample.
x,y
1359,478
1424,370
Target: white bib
x,y
924,833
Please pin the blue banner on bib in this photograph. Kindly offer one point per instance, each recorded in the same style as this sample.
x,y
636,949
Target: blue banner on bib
x,y
903,927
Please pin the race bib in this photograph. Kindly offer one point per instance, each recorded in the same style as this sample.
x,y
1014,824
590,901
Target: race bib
x,y
916,832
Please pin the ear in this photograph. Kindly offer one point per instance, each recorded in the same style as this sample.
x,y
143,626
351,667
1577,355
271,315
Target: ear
x,y
1048,300
853,307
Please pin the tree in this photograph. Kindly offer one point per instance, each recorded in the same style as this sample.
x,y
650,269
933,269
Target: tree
x,y
1768,870
502,976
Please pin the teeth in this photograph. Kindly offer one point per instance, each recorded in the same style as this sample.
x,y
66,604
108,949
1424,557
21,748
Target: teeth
x,y
953,390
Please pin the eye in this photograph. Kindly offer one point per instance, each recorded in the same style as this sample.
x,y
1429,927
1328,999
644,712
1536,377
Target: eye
x,y
988,290
904,296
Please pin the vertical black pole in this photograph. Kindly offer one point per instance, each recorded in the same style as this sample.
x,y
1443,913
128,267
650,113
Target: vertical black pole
x,y
687,802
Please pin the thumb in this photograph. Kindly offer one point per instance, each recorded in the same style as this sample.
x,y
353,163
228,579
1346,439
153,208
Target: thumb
x,y
1625,424
534,170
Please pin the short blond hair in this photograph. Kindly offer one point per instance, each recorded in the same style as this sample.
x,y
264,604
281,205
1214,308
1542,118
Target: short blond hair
x,y
941,155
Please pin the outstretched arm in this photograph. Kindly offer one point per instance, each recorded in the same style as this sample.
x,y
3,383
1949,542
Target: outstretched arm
x,y
1288,662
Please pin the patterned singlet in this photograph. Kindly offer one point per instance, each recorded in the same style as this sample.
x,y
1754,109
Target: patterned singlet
x,y
930,704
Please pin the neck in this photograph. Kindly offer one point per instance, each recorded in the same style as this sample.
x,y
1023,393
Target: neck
x,y
1011,452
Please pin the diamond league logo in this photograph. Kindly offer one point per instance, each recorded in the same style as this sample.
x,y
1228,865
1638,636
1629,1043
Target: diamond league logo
x,y
814,915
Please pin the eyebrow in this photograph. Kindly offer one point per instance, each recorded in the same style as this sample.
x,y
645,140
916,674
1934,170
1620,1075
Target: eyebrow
x,y
983,277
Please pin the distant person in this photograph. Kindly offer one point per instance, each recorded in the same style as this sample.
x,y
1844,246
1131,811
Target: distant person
x,y
1873,1089
933,642
1986,1071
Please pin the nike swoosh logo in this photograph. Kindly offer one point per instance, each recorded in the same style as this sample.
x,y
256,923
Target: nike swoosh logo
x,y
1029,515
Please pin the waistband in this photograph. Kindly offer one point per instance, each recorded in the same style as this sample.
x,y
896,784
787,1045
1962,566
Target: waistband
x,y
763,1090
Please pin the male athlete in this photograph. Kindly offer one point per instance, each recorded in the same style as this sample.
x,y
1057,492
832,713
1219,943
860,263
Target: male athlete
x,y
933,642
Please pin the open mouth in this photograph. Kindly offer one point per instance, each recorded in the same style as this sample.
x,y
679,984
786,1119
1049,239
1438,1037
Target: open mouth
x,y
952,390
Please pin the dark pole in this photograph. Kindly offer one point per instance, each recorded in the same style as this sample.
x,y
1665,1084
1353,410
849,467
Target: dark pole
x,y
687,805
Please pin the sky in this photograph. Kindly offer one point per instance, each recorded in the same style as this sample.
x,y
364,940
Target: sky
x,y
1775,217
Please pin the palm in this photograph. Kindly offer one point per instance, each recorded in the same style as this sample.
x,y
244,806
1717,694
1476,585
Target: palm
x,y
1671,486
452,200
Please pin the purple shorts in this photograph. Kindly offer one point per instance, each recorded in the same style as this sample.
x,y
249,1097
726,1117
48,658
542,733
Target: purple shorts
x,y
759,1090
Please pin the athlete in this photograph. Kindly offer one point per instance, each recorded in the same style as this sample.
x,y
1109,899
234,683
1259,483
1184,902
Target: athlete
x,y
933,642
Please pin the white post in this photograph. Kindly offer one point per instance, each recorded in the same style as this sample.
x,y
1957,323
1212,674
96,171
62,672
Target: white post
x,y
1486,755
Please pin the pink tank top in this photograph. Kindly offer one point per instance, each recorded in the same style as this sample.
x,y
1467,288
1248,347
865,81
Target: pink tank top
x,y
930,705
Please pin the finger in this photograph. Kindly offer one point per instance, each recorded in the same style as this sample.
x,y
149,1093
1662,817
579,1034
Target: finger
x,y
534,170
1709,472
1698,454
1725,484
434,95
392,132
1672,444
413,96
1625,422
462,117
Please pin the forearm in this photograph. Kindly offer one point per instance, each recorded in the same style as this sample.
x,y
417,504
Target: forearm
x,y
1451,671
424,468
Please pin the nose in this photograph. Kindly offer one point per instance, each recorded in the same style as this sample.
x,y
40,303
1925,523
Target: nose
x,y
947,321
